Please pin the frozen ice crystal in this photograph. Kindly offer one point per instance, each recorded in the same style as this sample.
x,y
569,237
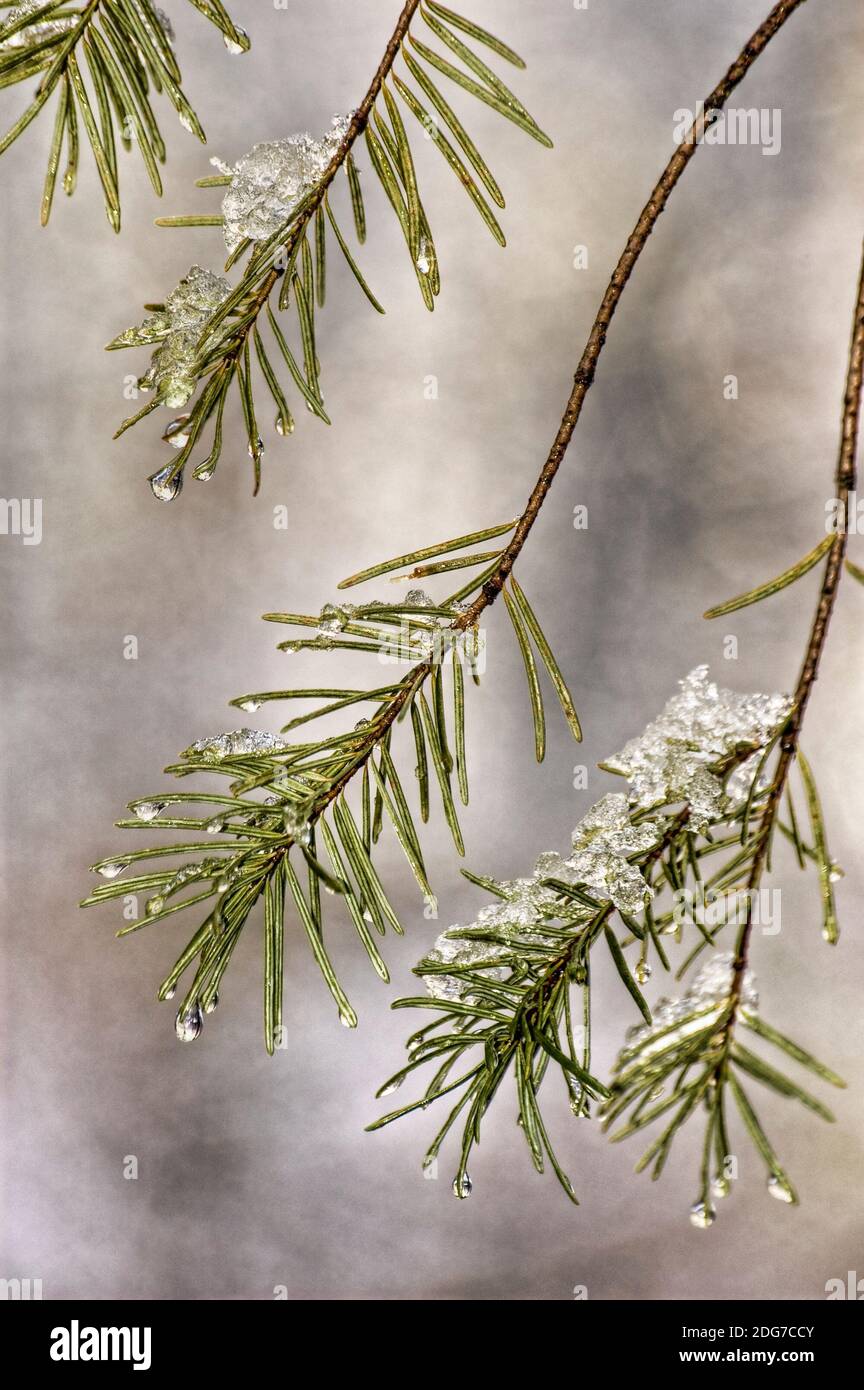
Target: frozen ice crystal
x,y
333,618
670,760
460,953
40,31
418,598
708,991
602,842
166,485
521,917
177,328
237,744
269,182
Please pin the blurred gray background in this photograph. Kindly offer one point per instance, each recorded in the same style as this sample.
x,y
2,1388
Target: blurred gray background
x,y
255,1173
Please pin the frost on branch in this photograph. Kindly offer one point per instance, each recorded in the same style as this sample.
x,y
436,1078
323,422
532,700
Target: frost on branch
x,y
671,759
268,183
177,327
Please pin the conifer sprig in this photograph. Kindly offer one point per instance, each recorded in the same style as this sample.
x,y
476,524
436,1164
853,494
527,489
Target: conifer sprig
x,y
308,780
102,61
291,797
246,338
512,992
693,1056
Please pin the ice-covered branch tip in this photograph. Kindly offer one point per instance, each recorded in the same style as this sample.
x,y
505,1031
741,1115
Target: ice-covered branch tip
x,y
276,217
290,797
503,982
702,752
269,182
671,759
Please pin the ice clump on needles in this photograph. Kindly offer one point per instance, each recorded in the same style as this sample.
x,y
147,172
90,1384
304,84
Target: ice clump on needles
x,y
269,181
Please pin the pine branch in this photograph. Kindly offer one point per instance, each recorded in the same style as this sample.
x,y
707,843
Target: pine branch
x,y
636,244
506,980
697,1033
688,1058
845,482
729,1050
278,218
305,785
125,49
304,788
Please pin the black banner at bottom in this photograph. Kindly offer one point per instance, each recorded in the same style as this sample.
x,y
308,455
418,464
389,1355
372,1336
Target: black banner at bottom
x,y
72,1338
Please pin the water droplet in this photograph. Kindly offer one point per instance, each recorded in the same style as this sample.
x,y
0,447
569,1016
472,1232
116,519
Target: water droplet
x,y
188,1025
114,869
257,451
701,1216
296,823
388,1090
779,1188
347,1018
211,1004
332,619
642,972
424,264
231,44
214,826
250,706
169,993
164,486
149,810
222,885
176,434
835,873
720,1187
283,426
204,473
655,1093
462,1186
155,904
186,122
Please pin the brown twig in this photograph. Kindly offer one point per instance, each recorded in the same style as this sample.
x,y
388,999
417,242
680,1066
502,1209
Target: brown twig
x,y
844,481
620,276
596,339
587,364
357,125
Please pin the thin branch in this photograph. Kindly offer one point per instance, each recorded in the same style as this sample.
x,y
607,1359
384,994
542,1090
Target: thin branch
x,y
266,852
845,479
591,352
315,199
635,246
